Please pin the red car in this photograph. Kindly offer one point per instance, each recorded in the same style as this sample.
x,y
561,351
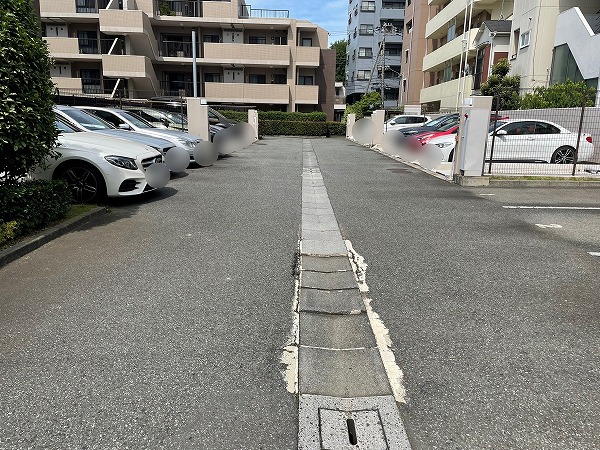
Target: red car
x,y
422,138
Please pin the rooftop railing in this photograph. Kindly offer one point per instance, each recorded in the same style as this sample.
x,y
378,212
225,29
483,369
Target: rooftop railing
x,y
247,11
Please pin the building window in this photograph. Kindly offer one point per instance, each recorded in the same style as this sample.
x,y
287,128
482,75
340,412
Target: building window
x,y
365,52
306,42
212,77
515,43
254,78
86,6
91,81
354,54
305,80
257,40
406,55
393,5
279,78
367,6
211,38
409,27
393,51
524,41
366,29
363,74
349,19
447,74
88,42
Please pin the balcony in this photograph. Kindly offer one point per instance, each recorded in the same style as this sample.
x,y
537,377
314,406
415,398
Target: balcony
x,y
307,95
308,56
437,26
246,11
185,8
247,54
67,84
392,13
435,60
62,47
178,49
447,93
247,93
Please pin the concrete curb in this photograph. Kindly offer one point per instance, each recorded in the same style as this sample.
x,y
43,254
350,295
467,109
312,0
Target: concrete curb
x,y
34,242
544,183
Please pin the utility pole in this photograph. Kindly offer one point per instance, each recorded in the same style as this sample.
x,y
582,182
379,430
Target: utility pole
x,y
384,29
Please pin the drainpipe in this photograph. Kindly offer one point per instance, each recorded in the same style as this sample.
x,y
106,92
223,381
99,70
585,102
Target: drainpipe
x,y
194,65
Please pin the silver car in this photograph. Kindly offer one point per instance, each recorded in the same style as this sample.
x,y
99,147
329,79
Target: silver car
x,y
125,120
88,122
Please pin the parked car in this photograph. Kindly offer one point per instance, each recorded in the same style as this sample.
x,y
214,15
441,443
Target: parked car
x,y
431,126
125,120
406,121
88,122
527,140
214,116
95,166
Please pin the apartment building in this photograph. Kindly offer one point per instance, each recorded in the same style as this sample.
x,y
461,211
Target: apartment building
x,y
451,52
365,21
144,48
414,49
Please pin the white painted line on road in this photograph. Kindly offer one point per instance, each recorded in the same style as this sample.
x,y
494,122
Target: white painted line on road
x,y
574,208
594,253
487,194
551,225
334,349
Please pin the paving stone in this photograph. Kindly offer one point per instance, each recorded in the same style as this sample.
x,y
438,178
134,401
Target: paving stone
x,y
313,223
337,331
342,373
330,264
327,281
323,423
322,235
348,301
323,247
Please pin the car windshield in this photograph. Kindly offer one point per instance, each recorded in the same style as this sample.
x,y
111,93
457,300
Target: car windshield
x,y
63,128
439,121
175,117
136,120
496,124
86,120
448,126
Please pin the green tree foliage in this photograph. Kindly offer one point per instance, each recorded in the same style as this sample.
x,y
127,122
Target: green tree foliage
x,y
502,87
340,59
561,95
367,103
27,131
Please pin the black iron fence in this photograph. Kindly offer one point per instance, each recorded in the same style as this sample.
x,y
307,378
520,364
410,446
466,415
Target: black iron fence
x,y
544,141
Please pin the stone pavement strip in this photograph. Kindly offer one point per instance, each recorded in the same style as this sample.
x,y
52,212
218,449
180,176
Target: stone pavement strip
x,y
346,401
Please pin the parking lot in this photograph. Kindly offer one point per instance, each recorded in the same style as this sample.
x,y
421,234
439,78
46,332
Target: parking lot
x,y
163,323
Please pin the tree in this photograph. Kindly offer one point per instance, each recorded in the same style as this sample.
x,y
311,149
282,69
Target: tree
x,y
340,59
27,131
561,95
501,86
367,103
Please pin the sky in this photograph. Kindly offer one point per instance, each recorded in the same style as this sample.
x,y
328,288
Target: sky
x,y
329,14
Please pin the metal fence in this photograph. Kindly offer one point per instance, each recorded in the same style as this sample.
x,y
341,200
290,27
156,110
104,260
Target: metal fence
x,y
545,141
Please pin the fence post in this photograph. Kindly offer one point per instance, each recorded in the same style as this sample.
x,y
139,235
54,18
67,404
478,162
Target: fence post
x,y
576,155
496,109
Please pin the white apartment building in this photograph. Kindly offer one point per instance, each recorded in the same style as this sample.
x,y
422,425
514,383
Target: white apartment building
x,y
144,48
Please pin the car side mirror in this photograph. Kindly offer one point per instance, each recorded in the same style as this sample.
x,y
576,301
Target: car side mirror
x,y
213,120
124,126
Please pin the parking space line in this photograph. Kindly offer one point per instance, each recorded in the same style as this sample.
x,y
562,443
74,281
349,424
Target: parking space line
x,y
574,208
594,253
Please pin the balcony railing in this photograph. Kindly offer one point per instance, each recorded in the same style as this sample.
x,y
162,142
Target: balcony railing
x,y
178,49
247,11
101,46
186,8
177,88
90,6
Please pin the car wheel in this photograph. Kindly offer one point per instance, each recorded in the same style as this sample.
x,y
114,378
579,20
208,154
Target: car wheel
x,y
451,156
563,155
85,181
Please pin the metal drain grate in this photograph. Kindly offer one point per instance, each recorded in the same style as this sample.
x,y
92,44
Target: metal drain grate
x,y
346,429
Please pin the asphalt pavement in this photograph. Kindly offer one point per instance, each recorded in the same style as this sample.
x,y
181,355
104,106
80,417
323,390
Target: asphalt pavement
x,y
162,324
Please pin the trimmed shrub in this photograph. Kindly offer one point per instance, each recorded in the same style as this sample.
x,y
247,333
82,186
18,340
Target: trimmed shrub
x,y
293,128
27,131
8,231
278,115
34,204
236,115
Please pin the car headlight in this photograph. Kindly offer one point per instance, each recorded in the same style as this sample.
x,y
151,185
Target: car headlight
x,y
186,142
444,144
122,161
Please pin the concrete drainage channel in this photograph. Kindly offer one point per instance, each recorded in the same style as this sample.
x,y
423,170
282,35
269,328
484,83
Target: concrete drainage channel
x,y
346,398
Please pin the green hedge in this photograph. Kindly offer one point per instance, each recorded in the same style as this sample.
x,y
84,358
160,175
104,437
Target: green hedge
x,y
293,128
278,115
33,205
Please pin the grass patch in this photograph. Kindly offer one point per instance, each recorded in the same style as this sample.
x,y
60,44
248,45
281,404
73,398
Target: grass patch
x,y
79,209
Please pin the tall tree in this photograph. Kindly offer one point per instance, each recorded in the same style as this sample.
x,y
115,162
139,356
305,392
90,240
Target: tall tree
x,y
340,59
27,131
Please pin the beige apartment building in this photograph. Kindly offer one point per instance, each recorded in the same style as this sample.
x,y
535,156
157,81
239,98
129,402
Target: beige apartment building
x,y
144,48
451,53
413,51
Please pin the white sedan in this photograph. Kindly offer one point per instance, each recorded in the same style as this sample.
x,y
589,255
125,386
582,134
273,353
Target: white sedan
x,y
95,166
527,140
406,121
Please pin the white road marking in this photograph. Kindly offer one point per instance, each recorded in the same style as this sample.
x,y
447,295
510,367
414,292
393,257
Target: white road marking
x,y
574,208
552,225
487,194
334,349
382,334
594,253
